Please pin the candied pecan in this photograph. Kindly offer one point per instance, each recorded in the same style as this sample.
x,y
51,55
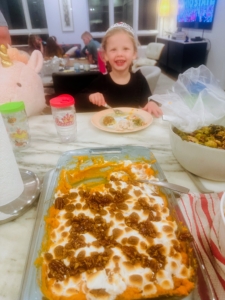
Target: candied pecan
x,y
185,236
143,203
81,224
107,242
82,264
79,242
152,264
58,270
177,248
146,228
152,217
59,203
98,201
69,246
155,251
132,221
132,254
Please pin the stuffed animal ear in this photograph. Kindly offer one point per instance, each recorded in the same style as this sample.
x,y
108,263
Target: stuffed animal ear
x,y
36,61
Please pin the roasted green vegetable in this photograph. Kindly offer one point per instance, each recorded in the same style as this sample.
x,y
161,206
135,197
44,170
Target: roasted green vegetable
x,y
211,136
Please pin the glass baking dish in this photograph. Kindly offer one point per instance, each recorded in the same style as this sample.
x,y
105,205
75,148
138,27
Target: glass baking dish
x,y
30,288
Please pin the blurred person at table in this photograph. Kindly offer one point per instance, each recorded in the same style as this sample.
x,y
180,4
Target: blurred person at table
x,y
120,86
91,47
35,43
52,48
5,38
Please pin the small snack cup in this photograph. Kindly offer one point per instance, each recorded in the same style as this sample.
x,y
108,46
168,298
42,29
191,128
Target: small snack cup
x,y
64,115
16,123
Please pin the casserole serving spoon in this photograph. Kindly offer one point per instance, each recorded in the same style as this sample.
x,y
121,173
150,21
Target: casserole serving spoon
x,y
168,185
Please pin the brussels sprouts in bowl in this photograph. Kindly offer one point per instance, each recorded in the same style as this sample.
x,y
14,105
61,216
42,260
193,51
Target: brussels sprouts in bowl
x,y
202,159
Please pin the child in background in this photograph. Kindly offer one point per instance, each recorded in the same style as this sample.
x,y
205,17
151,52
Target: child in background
x,y
91,47
120,87
35,43
52,48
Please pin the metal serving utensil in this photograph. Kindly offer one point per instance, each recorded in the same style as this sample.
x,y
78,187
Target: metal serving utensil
x,y
171,186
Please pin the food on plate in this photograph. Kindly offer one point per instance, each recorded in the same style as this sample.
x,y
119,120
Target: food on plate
x,y
211,136
114,238
108,121
123,121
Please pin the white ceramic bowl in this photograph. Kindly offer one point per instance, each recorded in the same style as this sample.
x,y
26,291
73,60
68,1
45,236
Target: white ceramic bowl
x,y
200,160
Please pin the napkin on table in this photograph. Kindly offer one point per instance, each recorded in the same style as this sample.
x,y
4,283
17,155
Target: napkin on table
x,y
200,212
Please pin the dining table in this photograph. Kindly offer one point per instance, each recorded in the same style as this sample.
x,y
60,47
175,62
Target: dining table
x,y
68,67
42,155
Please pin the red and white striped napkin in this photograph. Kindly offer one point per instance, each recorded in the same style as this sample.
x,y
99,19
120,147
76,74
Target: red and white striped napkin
x,y
201,213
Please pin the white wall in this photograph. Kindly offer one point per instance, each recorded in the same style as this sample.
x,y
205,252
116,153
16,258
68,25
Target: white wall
x,y
80,20
216,56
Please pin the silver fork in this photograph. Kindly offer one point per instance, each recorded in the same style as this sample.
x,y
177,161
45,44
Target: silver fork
x,y
117,111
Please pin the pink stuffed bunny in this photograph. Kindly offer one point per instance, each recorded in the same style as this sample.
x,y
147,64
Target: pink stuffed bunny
x,y
21,82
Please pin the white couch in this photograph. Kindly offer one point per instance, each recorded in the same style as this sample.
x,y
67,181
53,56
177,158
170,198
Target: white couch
x,y
148,55
151,74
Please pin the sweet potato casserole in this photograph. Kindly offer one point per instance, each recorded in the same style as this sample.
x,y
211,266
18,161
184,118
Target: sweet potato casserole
x,y
113,237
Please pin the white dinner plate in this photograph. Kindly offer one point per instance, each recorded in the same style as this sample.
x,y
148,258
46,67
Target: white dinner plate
x,y
121,119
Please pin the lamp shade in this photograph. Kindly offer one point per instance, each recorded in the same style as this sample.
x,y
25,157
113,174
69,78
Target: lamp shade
x,y
164,8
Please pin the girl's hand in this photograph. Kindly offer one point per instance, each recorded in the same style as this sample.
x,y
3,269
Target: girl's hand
x,y
97,99
153,108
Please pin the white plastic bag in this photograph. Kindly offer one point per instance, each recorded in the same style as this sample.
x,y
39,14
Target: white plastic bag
x,y
196,100
50,66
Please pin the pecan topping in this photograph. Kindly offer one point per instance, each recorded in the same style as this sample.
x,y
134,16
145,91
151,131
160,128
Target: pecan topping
x,y
58,270
156,252
185,236
59,203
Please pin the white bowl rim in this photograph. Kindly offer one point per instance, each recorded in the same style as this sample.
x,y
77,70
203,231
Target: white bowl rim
x,y
222,207
197,145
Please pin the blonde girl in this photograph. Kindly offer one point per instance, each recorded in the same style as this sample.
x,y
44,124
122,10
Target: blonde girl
x,y
120,87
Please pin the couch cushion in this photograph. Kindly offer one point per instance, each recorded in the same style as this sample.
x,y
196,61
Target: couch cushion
x,y
144,62
153,50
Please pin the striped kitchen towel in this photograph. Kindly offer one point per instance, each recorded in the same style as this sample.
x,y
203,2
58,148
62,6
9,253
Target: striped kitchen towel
x,y
201,213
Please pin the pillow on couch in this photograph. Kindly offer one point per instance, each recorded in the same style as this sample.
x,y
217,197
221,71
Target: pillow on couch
x,y
143,62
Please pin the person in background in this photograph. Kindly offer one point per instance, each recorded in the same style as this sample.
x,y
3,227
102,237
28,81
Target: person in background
x,y
120,87
91,47
35,43
52,48
5,38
